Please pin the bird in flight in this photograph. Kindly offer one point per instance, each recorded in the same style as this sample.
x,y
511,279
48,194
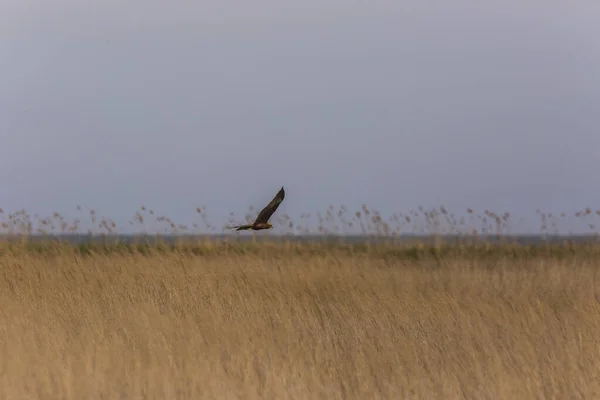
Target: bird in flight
x,y
262,221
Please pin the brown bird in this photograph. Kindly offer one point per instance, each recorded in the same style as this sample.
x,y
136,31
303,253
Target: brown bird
x,y
262,221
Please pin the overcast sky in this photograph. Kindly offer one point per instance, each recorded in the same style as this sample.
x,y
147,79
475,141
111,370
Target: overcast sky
x,y
396,104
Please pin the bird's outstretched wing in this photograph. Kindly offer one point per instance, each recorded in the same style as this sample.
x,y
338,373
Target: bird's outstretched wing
x,y
266,212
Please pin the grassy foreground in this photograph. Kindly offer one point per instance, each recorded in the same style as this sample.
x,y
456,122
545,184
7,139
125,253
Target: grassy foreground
x,y
299,321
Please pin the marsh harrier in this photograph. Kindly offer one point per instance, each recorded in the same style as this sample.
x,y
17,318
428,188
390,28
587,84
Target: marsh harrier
x,y
262,221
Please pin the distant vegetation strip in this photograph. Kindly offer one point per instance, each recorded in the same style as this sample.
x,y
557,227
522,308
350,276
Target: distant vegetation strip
x,y
389,250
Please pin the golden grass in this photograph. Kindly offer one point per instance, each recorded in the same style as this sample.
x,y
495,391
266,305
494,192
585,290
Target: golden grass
x,y
298,322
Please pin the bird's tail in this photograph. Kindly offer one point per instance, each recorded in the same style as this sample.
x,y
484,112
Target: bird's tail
x,y
242,227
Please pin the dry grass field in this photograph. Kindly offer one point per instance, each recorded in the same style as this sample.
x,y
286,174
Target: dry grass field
x,y
291,321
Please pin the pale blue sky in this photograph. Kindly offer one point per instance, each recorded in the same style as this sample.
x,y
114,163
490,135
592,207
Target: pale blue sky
x,y
395,104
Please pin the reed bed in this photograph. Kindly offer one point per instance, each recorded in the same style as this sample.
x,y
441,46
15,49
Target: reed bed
x,y
289,320
218,318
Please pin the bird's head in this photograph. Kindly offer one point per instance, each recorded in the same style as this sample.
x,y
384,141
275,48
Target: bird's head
x,y
269,226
